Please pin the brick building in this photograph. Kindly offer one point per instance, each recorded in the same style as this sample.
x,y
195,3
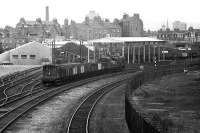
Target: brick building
x,y
131,26
189,36
177,25
94,27
38,30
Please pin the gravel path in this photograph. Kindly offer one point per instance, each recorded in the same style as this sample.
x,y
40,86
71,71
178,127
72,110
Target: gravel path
x,y
109,113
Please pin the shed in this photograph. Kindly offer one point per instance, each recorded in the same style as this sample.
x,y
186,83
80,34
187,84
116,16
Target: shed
x,y
31,53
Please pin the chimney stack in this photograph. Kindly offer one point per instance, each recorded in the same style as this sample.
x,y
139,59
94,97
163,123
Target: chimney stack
x,y
47,13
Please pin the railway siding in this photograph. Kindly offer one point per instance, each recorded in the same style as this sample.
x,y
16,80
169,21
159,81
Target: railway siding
x,y
57,111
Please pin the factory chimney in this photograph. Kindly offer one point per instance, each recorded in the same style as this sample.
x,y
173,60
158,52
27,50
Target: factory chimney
x,y
47,13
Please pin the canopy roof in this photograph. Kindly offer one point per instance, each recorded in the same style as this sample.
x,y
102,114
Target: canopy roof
x,y
137,39
106,40
125,39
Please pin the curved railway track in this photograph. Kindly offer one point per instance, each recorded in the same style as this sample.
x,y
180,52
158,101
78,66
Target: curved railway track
x,y
12,86
6,80
18,87
17,108
79,122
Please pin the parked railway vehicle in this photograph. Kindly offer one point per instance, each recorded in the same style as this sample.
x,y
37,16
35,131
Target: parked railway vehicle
x,y
62,73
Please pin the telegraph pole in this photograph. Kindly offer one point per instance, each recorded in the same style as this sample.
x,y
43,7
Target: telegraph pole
x,y
80,51
53,52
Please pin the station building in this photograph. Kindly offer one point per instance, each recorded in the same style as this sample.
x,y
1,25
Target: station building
x,y
133,49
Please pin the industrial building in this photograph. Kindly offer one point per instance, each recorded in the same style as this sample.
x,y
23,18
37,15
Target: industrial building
x,y
32,53
35,53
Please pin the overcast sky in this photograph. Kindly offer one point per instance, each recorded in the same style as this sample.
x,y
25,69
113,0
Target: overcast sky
x,y
154,13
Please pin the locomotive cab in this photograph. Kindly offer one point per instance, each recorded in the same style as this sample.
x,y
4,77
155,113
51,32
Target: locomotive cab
x,y
50,73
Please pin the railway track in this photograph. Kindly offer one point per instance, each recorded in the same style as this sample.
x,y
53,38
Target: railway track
x,y
79,122
14,83
16,109
18,88
5,80
14,99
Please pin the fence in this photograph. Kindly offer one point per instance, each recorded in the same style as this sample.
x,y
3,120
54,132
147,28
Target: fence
x,y
135,120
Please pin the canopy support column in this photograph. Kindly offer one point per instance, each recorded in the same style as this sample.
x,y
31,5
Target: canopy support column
x,y
138,54
128,54
158,53
123,49
144,53
88,55
154,51
94,53
133,54
149,51
163,52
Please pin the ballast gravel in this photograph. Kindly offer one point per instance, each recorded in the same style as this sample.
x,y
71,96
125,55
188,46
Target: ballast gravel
x,y
53,115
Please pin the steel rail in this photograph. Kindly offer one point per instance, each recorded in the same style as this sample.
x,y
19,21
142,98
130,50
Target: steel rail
x,y
9,77
97,94
13,86
9,117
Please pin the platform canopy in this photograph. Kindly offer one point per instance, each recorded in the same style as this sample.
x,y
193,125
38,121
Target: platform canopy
x,y
106,40
125,40
137,39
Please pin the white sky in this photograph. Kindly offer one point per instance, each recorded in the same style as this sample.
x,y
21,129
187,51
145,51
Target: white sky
x,y
154,13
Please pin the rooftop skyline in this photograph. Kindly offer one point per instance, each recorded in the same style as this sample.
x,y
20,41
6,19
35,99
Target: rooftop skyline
x,y
154,13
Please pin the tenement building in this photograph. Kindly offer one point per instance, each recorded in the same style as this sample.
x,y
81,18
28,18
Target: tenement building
x,y
94,27
132,26
38,30
177,25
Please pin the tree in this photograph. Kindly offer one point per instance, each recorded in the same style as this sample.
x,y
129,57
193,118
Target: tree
x,y
66,22
107,20
116,21
190,28
22,20
1,48
38,20
87,20
55,21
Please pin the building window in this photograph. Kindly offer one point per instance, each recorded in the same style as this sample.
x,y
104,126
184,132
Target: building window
x,y
15,56
23,56
32,56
